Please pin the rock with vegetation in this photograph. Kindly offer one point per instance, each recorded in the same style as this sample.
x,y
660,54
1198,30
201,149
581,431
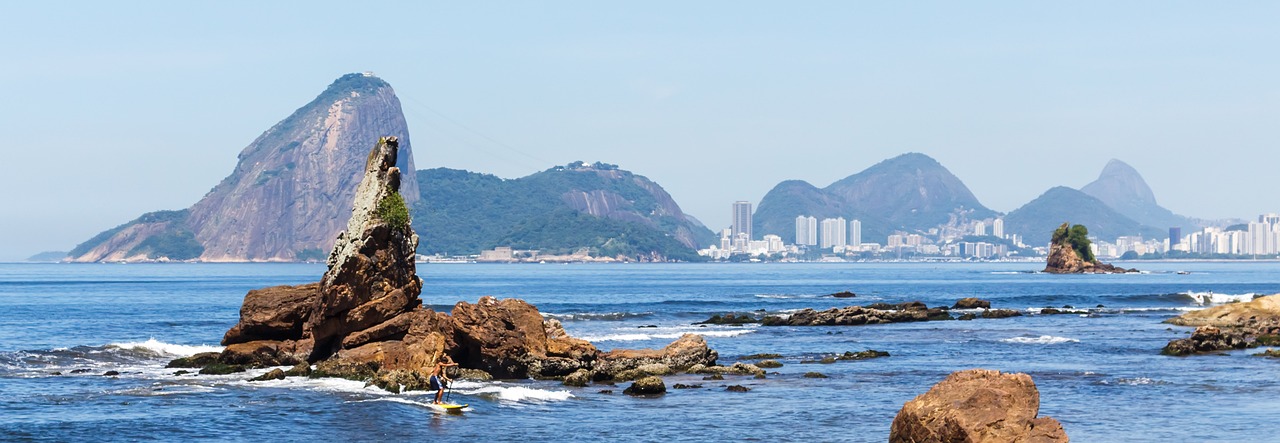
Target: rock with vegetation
x,y
979,406
274,374
278,202
647,386
1070,253
195,361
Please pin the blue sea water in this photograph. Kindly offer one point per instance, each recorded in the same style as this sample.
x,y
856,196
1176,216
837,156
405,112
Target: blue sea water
x,y
1100,374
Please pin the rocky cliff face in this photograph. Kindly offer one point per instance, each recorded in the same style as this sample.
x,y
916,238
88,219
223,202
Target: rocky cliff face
x,y
909,192
287,196
977,406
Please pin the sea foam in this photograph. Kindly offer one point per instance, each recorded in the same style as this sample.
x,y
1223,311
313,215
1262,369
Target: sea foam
x,y
1210,298
638,337
165,349
1041,340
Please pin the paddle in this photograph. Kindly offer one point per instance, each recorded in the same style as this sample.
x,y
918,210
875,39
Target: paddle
x,y
448,385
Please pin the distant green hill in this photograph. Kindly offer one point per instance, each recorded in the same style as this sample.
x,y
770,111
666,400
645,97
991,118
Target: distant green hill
x,y
561,210
911,192
1036,220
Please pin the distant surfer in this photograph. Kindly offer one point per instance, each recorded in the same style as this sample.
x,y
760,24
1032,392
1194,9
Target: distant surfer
x,y
438,378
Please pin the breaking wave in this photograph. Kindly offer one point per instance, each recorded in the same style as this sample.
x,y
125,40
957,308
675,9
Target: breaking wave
x,y
165,349
597,316
1041,340
1211,298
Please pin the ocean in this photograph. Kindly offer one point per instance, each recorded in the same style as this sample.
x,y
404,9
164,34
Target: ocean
x,y
62,326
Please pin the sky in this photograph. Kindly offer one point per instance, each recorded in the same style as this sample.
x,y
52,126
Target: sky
x,y
113,109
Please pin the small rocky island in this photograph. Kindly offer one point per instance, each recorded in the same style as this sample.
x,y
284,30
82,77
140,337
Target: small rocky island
x,y
1070,253
364,319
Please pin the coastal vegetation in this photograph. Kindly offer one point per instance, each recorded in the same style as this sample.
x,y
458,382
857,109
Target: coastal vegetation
x,y
463,212
1078,237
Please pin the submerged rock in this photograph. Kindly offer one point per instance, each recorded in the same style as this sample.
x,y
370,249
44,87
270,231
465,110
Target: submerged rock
x,y
976,405
274,374
1000,313
737,388
843,294
730,319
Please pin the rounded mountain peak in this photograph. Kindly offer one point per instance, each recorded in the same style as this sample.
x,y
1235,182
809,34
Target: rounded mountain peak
x,y
1121,185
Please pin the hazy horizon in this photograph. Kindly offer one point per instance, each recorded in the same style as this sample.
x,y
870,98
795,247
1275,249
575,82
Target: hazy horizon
x,y
121,110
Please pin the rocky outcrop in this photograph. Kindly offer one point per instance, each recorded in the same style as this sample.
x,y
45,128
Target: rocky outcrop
x,y
858,315
1064,259
1230,326
285,200
647,386
977,406
364,320
1259,310
686,352
366,305
971,303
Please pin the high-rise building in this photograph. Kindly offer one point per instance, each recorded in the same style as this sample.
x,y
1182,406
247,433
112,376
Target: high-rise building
x,y
833,233
1175,236
1270,219
997,228
806,231
979,228
855,233
742,219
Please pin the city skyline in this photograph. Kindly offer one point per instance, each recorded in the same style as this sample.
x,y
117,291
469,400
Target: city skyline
x,y
147,107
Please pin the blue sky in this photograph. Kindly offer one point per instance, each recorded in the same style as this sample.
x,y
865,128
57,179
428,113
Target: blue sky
x,y
118,108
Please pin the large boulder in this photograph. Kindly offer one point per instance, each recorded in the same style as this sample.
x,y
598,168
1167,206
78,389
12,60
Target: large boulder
x,y
977,406
1227,327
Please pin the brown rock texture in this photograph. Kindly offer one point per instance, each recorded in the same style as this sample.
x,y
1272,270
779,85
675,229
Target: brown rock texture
x,y
286,198
977,406
1261,309
1229,326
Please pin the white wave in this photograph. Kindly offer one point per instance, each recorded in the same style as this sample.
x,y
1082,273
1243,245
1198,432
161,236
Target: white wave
x,y
1041,340
1210,298
509,393
158,347
638,337
784,296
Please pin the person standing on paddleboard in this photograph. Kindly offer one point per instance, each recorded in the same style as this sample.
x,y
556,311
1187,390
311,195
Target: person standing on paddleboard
x,y
438,378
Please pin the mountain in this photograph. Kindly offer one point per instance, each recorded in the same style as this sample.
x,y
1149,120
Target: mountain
x,y
290,193
48,256
560,210
1036,220
911,192
1123,189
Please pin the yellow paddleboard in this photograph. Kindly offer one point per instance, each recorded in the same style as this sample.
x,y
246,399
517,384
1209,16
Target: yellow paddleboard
x,y
449,407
